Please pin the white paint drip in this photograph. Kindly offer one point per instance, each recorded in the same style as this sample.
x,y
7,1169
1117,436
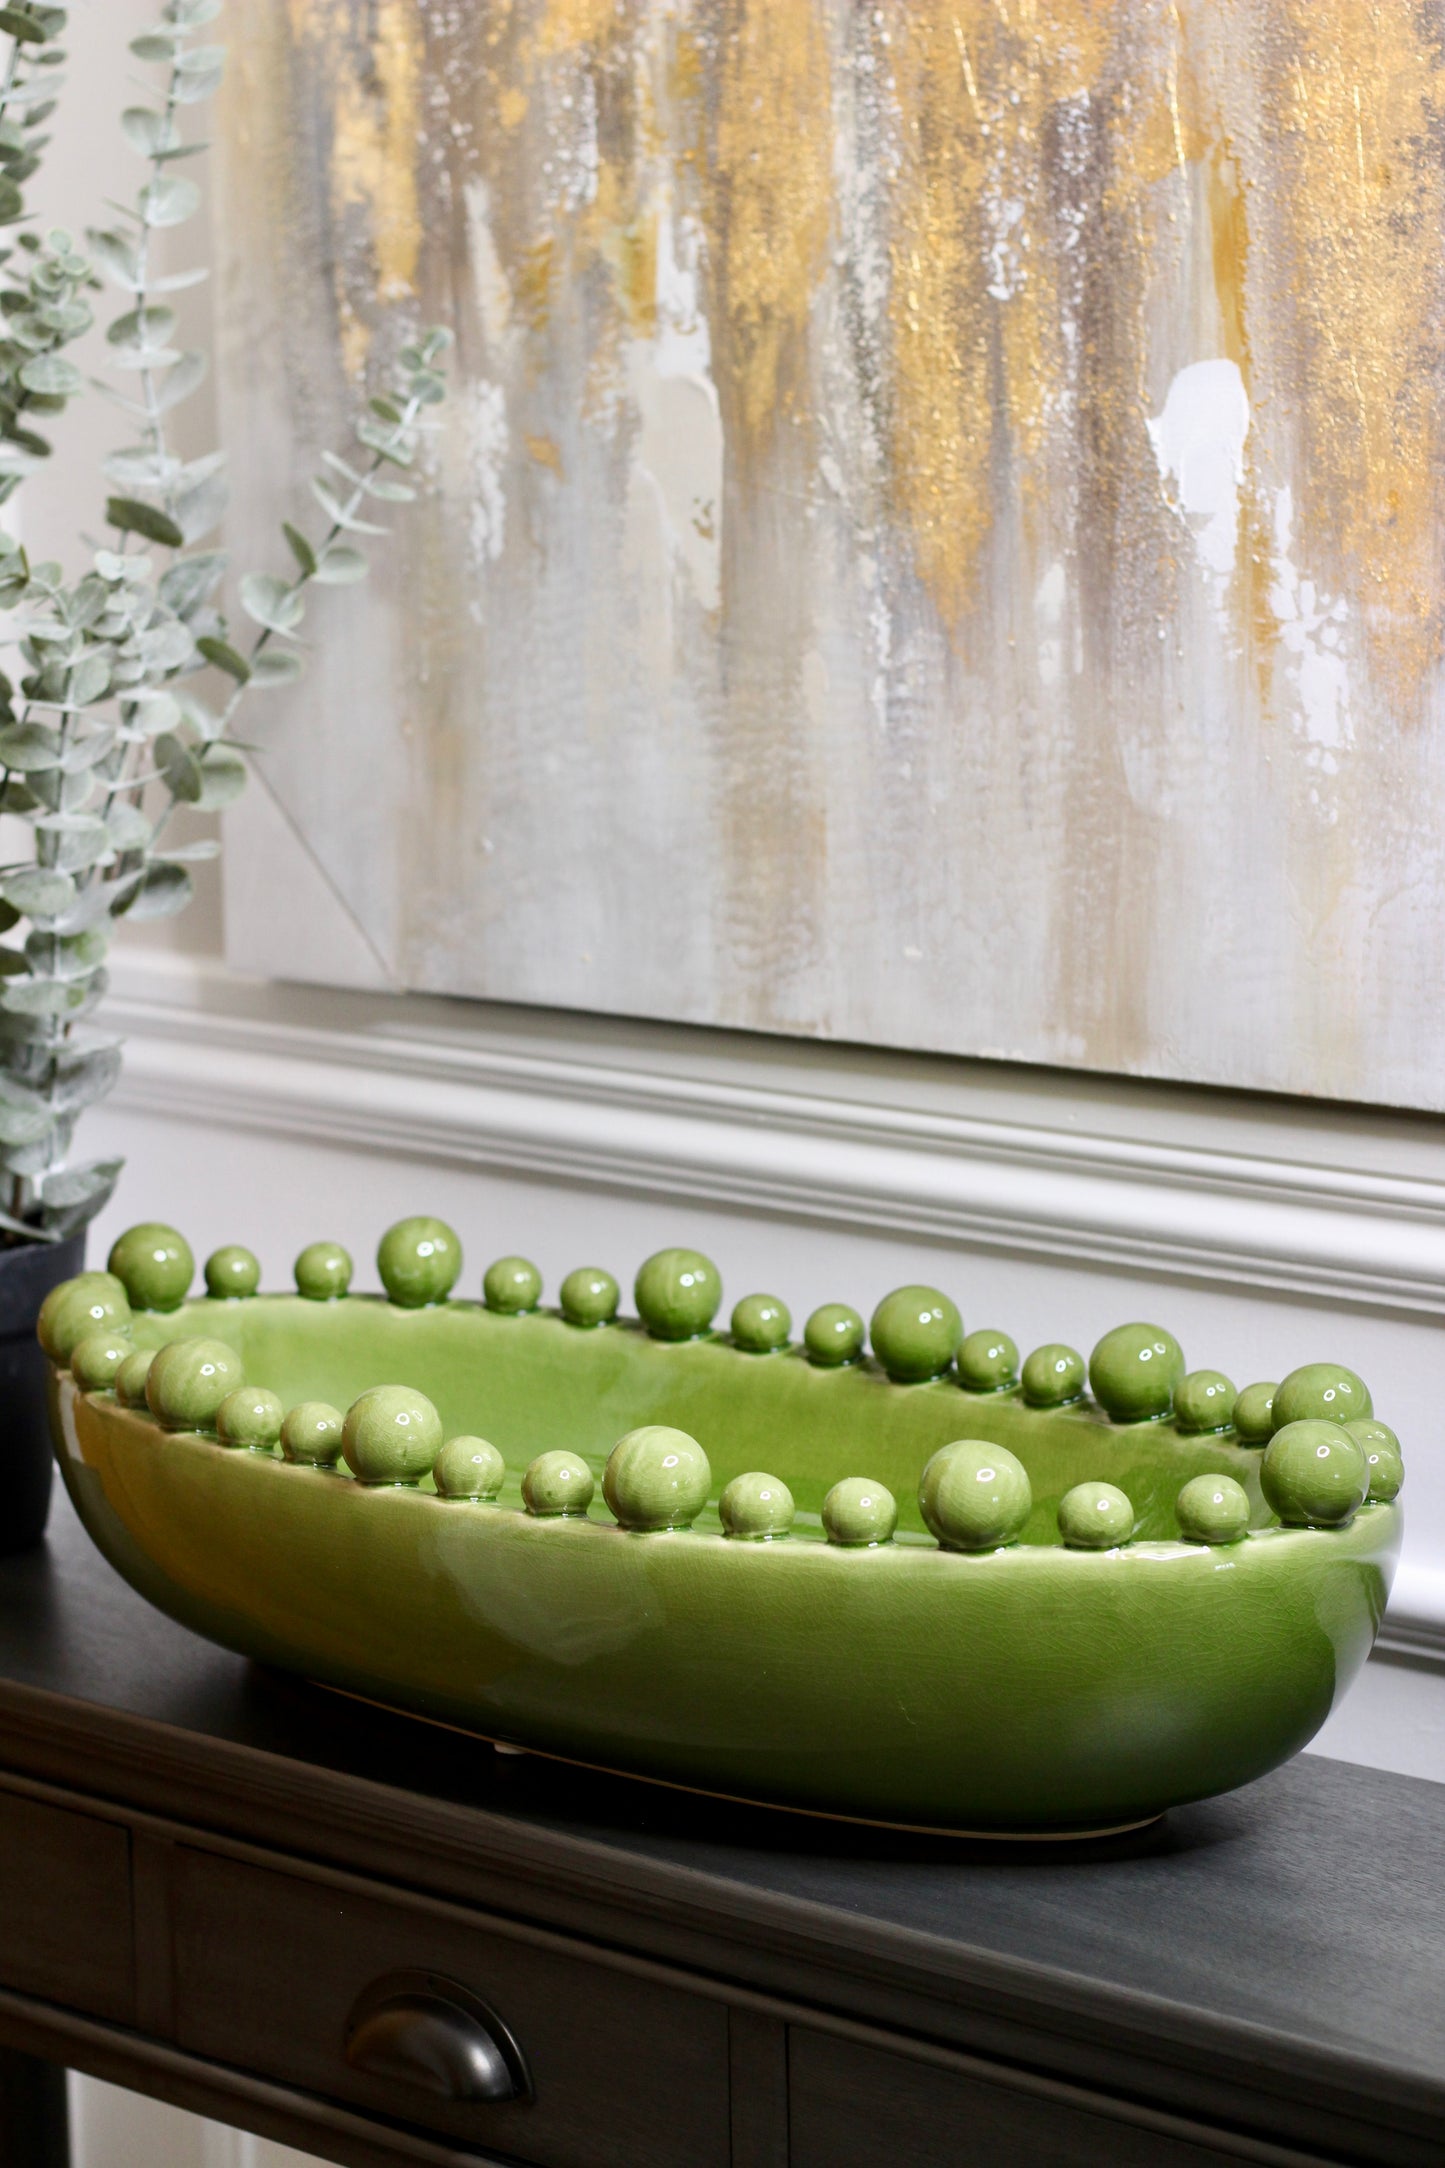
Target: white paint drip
x,y
1198,441
1049,598
680,442
488,437
1310,629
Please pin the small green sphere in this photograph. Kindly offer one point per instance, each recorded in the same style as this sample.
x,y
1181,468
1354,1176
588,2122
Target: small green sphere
x,y
71,1312
130,1379
1053,1376
656,1478
761,1324
1095,1517
974,1496
915,1333
558,1486
1204,1400
94,1364
1254,1414
512,1286
419,1262
188,1381
988,1362
232,1272
1382,1455
323,1272
1314,1474
155,1265
589,1296
1212,1509
392,1435
858,1514
1324,1391
677,1293
834,1335
1133,1372
312,1434
756,1508
468,1468
251,1418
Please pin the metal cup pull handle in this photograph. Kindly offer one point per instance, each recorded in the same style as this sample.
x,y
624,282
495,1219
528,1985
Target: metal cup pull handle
x,y
436,2036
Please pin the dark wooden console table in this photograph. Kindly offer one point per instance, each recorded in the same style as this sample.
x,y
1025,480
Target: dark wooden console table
x,y
385,1942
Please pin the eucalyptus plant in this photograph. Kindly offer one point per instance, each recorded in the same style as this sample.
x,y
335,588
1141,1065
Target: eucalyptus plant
x,y
122,696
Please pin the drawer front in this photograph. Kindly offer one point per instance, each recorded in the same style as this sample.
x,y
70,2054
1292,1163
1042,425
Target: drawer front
x,y
270,1967
65,1907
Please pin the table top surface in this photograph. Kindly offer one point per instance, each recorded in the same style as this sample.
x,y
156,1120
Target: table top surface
x,y
1309,1906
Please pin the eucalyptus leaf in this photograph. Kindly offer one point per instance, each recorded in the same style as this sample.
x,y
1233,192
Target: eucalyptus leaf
x,y
180,381
144,330
82,1185
89,1076
22,1125
128,826
300,548
117,255
21,26
202,508
340,566
37,891
165,888
168,200
271,602
38,997
180,767
225,657
191,580
51,373
338,513
132,515
223,778
191,88
147,131
27,746
80,839
275,666
155,45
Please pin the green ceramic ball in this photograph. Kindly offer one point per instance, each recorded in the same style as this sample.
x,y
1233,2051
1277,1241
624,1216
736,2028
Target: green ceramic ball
x,y
1314,1474
94,1363
834,1335
154,1264
988,1362
1382,1455
858,1514
189,1379
392,1435
312,1434
589,1296
323,1272
512,1286
130,1379
761,1324
974,1496
916,1332
1053,1375
232,1272
558,1486
1254,1414
1095,1517
71,1312
656,1477
1204,1400
1327,1392
1212,1509
1133,1372
468,1468
251,1418
419,1262
756,1508
677,1293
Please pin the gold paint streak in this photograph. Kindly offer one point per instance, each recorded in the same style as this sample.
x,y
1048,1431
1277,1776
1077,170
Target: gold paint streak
x,y
546,453
512,107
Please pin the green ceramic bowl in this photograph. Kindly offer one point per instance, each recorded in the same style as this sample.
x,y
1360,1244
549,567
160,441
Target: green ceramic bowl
x,y
1038,1687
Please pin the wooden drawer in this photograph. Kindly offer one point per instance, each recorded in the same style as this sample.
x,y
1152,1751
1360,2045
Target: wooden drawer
x,y
270,1968
65,1907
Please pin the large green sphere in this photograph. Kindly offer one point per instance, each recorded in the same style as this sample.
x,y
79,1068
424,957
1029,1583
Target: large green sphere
x,y
95,1362
188,1381
858,1514
677,1293
761,1324
1212,1509
915,1333
512,1286
311,1434
130,1379
468,1468
1204,1400
1326,1392
232,1273
589,1296
392,1435
1053,1376
558,1486
1254,1414
1133,1372
323,1272
419,1261
756,1508
1095,1517
834,1335
154,1264
1314,1474
974,1496
1381,1449
71,1312
250,1418
656,1477
988,1362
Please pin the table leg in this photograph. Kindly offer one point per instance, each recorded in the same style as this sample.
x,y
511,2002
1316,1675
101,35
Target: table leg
x,y
34,2128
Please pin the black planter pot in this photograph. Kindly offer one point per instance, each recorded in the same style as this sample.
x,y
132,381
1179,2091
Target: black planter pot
x,y
27,1274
